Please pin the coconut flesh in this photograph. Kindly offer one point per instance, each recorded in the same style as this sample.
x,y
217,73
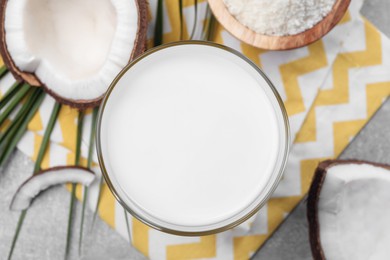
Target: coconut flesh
x,y
352,215
74,48
47,178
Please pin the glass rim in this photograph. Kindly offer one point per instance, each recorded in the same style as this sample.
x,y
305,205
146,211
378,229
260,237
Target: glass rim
x,y
255,209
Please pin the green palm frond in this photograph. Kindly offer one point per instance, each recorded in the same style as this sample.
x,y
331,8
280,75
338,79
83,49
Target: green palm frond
x,y
89,165
17,132
73,192
181,19
37,167
195,19
159,25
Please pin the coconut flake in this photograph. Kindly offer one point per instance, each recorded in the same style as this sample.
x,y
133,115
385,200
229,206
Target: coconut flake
x,y
353,212
279,17
47,178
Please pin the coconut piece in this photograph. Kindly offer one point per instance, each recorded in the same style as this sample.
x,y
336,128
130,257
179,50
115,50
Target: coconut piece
x,y
348,210
47,178
72,48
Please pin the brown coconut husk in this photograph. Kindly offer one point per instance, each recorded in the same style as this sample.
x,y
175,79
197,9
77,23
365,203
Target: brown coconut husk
x,y
313,198
33,80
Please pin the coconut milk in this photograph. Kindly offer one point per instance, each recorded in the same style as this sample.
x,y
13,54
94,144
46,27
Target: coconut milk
x,y
192,138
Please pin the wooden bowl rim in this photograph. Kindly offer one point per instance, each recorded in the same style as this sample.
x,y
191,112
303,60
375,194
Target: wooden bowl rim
x,y
243,33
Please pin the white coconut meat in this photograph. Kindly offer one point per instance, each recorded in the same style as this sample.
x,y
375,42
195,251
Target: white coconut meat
x,y
47,178
74,47
354,212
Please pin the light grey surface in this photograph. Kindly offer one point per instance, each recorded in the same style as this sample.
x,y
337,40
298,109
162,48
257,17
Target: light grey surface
x,y
44,232
377,11
291,240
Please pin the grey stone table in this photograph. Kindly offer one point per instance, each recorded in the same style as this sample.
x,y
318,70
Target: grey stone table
x,y
44,232
291,240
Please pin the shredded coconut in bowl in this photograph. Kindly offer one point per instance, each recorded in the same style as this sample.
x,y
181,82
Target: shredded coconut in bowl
x,y
279,17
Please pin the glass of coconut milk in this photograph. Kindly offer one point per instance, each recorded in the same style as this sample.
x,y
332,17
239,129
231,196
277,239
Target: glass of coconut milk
x,y
192,138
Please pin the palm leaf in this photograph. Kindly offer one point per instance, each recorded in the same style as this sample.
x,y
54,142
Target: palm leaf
x,y
89,165
195,19
10,93
14,102
95,112
181,18
159,25
127,225
208,30
16,235
46,136
17,121
19,132
42,150
3,71
73,192
98,202
92,137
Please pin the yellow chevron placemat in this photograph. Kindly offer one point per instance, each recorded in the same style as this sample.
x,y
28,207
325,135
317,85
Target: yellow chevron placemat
x,y
330,88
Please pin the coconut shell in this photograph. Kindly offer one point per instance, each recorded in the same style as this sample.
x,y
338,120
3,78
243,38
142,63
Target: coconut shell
x,y
31,78
313,199
42,172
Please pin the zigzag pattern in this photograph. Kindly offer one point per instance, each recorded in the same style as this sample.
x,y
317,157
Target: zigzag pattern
x,y
346,61
205,248
245,246
278,208
291,71
354,79
141,237
376,94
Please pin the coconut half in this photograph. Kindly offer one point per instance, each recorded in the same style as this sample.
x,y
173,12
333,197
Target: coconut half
x,y
47,178
72,48
348,210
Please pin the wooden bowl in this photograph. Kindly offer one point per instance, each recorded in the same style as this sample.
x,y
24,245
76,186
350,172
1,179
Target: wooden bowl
x,y
262,41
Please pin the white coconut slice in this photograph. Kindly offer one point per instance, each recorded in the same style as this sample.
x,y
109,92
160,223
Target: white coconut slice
x,y
348,211
47,178
73,48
